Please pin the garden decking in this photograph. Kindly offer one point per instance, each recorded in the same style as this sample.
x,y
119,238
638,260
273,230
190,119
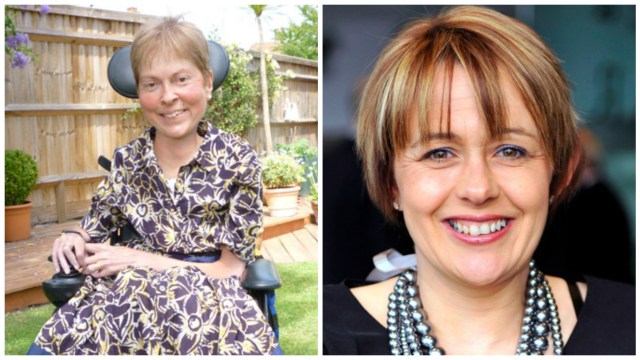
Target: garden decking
x,y
285,240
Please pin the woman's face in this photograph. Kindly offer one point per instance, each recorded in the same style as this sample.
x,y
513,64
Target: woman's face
x,y
474,206
173,95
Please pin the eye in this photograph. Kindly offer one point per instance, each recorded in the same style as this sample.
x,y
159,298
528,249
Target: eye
x,y
511,152
438,155
183,79
149,85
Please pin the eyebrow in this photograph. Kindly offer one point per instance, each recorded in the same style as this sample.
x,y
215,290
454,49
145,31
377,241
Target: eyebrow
x,y
517,131
436,136
454,137
175,73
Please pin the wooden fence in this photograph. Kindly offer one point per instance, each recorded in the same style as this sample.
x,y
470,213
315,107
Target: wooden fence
x,y
301,93
62,110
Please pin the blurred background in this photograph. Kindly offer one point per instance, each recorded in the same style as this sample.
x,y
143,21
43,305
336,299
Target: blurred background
x,y
596,45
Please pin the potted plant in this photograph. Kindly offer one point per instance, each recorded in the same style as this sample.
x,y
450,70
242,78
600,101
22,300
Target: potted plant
x,y
21,173
313,189
306,155
281,177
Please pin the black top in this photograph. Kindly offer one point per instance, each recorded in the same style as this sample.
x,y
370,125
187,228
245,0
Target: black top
x,y
354,230
606,323
568,248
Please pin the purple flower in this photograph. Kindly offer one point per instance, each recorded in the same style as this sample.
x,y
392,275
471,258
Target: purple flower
x,y
44,9
19,60
12,41
17,40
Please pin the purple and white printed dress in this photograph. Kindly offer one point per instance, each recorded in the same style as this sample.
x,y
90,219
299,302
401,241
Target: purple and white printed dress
x,y
217,201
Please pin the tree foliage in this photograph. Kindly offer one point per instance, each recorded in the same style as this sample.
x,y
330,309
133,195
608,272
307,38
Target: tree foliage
x,y
234,105
301,40
258,9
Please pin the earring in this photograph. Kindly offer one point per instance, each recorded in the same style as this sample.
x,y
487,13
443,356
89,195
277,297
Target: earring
x,y
396,206
551,199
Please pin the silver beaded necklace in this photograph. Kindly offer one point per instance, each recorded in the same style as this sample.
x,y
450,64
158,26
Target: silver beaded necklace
x,y
409,332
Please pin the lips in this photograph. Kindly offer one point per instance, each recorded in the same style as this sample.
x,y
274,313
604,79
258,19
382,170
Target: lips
x,y
478,230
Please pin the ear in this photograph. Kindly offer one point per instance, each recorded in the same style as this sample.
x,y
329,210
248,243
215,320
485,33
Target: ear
x,y
395,194
209,85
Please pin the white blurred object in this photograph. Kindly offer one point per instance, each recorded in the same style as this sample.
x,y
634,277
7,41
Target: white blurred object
x,y
291,111
390,263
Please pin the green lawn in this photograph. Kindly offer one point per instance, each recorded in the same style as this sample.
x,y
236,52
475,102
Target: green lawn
x,y
21,328
297,306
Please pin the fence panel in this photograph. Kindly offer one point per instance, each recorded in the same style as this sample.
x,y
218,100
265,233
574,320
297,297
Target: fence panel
x,y
301,90
61,108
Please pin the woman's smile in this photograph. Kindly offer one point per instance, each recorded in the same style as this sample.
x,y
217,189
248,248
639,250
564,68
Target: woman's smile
x,y
478,232
174,115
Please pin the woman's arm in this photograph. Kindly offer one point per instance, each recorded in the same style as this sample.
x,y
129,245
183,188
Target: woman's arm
x,y
69,249
243,221
104,214
106,260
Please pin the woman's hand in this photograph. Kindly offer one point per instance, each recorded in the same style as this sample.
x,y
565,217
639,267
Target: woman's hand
x,y
106,260
69,250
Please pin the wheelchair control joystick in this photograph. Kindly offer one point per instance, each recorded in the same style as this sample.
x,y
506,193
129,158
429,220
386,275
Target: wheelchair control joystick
x,y
61,287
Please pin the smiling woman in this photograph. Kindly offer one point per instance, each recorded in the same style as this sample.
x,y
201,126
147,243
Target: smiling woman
x,y
193,194
473,180
468,139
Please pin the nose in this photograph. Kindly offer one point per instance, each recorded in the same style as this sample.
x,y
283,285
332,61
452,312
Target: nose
x,y
168,94
477,183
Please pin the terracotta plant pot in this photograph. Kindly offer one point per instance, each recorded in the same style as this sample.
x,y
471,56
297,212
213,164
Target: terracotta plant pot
x,y
314,207
17,224
282,202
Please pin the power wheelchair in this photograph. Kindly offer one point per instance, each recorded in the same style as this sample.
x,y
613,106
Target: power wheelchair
x,y
260,277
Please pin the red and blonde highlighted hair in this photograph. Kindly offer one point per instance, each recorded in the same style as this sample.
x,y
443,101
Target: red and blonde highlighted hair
x,y
488,46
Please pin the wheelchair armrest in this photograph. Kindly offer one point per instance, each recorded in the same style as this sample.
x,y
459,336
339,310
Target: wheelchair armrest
x,y
261,275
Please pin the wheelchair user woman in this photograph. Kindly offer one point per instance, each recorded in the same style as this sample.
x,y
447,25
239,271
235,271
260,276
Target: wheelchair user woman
x,y
192,192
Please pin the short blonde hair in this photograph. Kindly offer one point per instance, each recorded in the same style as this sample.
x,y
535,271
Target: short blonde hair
x,y
486,44
174,36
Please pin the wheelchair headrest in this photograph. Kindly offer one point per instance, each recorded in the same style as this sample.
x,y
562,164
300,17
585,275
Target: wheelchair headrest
x,y
121,77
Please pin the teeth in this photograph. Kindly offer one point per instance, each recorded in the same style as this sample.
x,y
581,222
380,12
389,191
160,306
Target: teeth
x,y
174,114
478,229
